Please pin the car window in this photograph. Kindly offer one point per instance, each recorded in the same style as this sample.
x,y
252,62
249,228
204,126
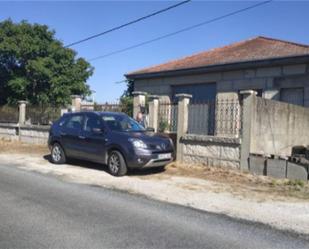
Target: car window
x,y
74,122
63,120
91,123
121,123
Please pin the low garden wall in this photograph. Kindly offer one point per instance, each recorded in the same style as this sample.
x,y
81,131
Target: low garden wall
x,y
211,150
34,134
9,131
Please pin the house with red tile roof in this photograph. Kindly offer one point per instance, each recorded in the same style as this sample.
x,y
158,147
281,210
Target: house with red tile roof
x,y
276,69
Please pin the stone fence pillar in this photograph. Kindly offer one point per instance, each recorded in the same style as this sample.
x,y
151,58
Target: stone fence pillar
x,y
139,99
153,111
22,112
248,114
182,121
76,103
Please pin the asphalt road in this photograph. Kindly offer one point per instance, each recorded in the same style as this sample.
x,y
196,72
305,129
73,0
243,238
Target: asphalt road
x,y
41,211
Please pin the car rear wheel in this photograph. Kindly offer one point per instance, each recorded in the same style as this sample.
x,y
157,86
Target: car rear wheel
x,y
57,154
116,164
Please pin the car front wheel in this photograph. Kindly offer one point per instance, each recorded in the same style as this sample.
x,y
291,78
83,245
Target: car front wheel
x,y
57,154
116,163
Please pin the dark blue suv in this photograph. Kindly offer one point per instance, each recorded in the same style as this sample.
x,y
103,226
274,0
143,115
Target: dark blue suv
x,y
110,138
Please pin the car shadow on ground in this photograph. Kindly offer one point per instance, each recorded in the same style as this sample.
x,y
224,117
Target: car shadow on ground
x,y
103,167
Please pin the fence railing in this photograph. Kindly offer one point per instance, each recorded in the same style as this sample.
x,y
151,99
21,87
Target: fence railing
x,y
228,117
107,107
42,115
9,114
116,107
221,118
167,117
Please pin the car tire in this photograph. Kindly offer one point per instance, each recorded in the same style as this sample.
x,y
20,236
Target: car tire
x,y
57,154
116,164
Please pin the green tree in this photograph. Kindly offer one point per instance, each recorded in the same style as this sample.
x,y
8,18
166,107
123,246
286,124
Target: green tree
x,y
36,67
126,99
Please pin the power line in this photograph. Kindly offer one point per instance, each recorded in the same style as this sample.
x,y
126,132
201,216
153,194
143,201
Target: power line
x,y
181,30
127,24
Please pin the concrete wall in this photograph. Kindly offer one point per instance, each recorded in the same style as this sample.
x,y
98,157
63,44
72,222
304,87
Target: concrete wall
x,y
211,150
28,134
269,79
277,126
278,168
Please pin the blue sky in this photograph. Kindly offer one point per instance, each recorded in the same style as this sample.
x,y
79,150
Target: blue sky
x,y
75,20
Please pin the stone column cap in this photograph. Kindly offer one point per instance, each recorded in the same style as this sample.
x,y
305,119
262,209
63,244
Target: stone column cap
x,y
248,92
138,93
22,102
183,95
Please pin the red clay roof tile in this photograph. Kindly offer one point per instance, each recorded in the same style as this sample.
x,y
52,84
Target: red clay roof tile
x,y
258,48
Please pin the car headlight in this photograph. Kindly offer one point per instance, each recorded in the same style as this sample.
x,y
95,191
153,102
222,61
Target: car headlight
x,y
137,143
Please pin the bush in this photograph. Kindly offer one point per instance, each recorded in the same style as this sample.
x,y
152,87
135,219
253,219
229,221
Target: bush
x,y
163,125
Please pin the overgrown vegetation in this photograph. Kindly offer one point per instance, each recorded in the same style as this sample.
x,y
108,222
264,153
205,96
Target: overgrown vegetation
x,y
163,125
127,105
295,183
126,99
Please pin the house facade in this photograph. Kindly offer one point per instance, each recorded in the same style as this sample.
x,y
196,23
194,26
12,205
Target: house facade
x,y
275,69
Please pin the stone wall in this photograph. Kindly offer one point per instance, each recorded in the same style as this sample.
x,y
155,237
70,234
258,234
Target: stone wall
x,y
9,132
28,134
34,134
211,150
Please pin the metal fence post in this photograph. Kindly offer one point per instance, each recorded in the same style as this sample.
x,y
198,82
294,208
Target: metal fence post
x,y
182,121
22,112
248,102
76,103
139,99
153,111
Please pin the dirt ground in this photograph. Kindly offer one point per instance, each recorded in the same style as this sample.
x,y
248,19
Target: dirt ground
x,y
238,183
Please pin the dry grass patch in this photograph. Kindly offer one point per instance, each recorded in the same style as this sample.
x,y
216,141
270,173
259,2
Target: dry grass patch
x,y
16,147
243,183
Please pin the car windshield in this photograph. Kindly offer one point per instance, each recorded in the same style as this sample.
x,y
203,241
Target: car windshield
x,y
121,123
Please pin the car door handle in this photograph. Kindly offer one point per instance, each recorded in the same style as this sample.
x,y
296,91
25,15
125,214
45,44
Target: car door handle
x,y
62,133
81,137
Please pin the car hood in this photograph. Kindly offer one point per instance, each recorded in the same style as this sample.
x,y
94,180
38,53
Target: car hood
x,y
149,137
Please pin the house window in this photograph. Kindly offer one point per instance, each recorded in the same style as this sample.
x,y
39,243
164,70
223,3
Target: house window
x,y
201,93
292,95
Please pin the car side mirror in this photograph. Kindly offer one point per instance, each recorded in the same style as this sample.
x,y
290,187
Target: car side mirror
x,y
97,130
150,129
